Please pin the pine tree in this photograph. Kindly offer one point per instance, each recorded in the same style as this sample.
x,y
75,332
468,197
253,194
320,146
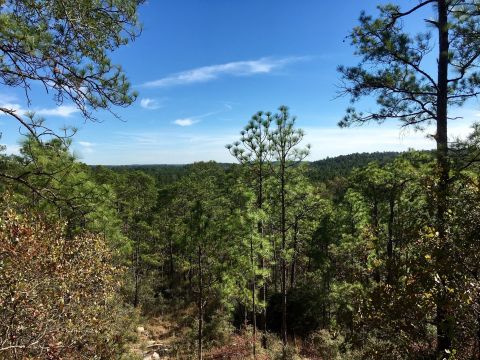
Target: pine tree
x,y
395,68
284,141
252,151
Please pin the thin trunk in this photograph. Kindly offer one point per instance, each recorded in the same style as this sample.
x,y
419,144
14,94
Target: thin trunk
x,y
443,321
200,304
376,272
391,218
263,291
284,260
325,283
264,311
254,309
171,267
326,303
275,265
136,273
294,259
170,252
245,317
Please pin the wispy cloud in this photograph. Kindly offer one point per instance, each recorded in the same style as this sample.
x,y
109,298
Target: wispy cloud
x,y
13,107
7,98
238,68
87,147
188,121
150,104
86,144
332,141
59,111
185,122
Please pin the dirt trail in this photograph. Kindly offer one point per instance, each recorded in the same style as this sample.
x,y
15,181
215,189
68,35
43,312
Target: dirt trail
x,y
155,339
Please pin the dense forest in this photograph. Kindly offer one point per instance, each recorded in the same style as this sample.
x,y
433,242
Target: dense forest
x,y
271,256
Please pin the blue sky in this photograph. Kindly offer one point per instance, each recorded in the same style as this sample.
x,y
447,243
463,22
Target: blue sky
x,y
203,67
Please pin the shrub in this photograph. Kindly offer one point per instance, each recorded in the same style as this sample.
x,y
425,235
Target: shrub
x,y
324,344
379,349
219,329
57,294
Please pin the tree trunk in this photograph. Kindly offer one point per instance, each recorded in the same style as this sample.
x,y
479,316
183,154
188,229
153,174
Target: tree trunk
x,y
264,311
391,218
136,273
443,320
284,260
263,291
170,249
275,264
294,259
171,266
254,309
375,221
200,304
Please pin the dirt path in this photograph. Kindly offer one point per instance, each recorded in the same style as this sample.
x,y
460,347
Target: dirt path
x,y
155,339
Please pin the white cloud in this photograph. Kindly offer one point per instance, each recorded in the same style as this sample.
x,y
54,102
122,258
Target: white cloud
x,y
87,147
86,144
238,68
190,144
336,141
59,111
185,122
149,104
7,98
195,119
11,149
13,107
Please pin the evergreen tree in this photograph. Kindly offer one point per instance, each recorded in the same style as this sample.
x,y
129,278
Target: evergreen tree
x,y
64,46
395,68
252,151
284,140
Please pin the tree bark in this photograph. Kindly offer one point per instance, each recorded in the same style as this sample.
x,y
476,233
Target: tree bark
x,y
254,309
137,274
294,259
443,321
375,221
284,260
391,218
263,293
275,264
200,304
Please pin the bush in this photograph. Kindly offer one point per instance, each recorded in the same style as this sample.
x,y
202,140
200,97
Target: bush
x,y
290,354
379,349
57,294
324,344
218,330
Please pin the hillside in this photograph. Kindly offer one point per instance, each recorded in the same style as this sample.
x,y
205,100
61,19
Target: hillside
x,y
325,169
320,170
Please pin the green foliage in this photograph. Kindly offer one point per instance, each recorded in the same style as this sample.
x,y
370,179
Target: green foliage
x,y
341,166
326,345
65,46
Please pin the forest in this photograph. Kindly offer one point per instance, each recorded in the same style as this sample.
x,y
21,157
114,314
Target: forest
x,y
272,255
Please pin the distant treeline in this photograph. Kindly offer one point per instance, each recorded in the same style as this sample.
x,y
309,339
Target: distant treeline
x,y
320,170
342,166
